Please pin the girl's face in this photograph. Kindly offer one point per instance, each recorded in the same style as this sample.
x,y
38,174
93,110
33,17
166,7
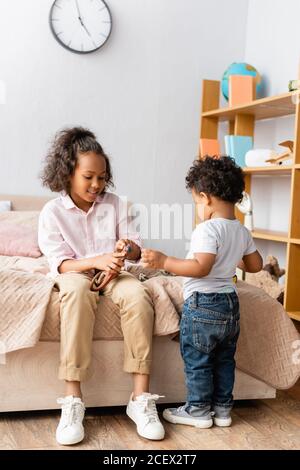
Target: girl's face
x,y
88,180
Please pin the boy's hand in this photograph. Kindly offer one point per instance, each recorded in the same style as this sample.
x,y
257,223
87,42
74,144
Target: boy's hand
x,y
133,250
153,259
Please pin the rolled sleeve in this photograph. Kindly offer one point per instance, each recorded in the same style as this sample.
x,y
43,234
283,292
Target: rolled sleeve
x,y
51,242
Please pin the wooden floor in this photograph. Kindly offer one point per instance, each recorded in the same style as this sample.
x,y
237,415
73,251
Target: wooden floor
x,y
259,424
263,424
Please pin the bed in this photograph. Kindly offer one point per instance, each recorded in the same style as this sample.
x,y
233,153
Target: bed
x,y
28,372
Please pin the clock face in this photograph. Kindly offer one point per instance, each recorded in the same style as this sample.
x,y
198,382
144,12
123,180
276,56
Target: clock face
x,y
80,25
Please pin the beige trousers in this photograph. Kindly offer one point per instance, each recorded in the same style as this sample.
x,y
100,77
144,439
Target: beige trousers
x,y
78,306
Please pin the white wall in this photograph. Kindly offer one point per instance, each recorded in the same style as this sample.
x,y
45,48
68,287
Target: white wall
x,y
140,93
273,47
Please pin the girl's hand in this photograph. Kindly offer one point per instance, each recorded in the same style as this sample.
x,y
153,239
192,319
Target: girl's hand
x,y
110,262
153,259
133,251
122,244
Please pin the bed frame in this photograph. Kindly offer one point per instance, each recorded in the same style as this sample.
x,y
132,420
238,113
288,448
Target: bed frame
x,y
28,379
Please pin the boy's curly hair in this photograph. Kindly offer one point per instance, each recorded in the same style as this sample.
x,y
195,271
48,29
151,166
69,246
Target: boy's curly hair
x,y
219,177
63,154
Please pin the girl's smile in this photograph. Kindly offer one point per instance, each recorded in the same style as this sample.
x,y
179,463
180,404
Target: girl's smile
x,y
88,180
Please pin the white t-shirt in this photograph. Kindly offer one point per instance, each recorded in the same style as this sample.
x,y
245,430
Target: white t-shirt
x,y
230,241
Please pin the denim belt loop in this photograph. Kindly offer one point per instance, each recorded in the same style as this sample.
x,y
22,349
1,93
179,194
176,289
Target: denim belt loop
x,y
195,298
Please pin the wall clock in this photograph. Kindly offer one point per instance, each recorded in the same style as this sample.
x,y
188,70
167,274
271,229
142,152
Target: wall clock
x,y
80,26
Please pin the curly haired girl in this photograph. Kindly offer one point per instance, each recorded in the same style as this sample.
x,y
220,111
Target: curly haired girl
x,y
84,229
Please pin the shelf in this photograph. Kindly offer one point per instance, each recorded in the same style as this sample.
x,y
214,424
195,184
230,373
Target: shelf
x,y
268,170
294,315
270,235
241,120
264,108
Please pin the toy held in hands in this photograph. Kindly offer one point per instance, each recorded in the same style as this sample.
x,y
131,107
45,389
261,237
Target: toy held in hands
x,y
102,278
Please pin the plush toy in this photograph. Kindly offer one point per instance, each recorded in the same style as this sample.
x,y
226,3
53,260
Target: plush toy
x,y
268,278
272,267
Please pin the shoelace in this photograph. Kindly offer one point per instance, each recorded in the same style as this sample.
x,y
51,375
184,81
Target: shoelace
x,y
181,408
149,407
71,412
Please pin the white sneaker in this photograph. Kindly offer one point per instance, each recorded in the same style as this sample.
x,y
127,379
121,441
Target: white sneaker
x,y
190,415
70,429
223,422
143,412
222,416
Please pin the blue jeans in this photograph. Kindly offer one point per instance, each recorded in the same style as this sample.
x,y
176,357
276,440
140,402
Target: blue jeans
x,y
209,331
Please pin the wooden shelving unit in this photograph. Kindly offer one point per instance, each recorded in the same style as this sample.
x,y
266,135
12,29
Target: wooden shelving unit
x,y
269,170
241,121
270,235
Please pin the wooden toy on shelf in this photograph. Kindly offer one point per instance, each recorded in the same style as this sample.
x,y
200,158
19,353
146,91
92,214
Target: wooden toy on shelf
x,y
287,155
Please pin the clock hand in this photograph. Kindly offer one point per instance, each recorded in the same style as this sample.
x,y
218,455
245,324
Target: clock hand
x,y
79,17
79,14
86,29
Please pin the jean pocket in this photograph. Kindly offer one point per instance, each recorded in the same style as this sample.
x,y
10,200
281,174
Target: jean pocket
x,y
207,333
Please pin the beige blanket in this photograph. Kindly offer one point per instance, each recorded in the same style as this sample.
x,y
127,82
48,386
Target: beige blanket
x,y
29,312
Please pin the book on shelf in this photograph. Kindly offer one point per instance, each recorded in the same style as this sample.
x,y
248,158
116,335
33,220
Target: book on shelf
x,y
209,147
236,146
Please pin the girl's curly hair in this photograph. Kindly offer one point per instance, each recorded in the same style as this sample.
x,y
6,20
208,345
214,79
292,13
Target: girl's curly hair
x,y
219,177
63,154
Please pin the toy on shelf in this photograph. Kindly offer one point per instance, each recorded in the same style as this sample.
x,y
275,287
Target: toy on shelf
x,y
241,68
269,157
294,85
258,157
287,155
268,278
245,206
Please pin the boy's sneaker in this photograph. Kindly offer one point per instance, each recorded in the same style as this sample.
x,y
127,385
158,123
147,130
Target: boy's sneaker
x,y
222,416
143,412
70,429
190,415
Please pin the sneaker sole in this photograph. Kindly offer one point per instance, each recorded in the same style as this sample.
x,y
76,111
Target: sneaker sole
x,y
205,424
223,422
69,442
145,436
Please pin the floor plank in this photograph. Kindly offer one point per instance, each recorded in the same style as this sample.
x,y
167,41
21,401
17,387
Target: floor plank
x,y
259,424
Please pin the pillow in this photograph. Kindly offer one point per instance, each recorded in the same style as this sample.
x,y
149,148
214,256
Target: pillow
x,y
19,234
28,218
5,206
